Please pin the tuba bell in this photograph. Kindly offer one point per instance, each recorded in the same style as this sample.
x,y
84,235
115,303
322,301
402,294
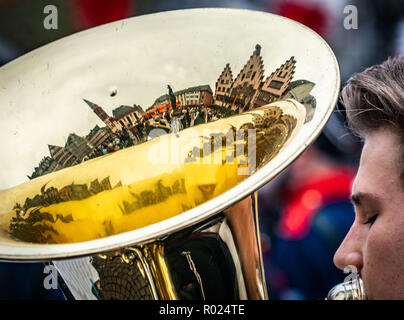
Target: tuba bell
x,y
150,191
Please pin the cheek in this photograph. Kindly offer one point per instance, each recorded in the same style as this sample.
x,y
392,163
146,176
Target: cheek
x,y
383,259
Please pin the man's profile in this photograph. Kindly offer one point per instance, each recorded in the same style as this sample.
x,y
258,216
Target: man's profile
x,y
374,102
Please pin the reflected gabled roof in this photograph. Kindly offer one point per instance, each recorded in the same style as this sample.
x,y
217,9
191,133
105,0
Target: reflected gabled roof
x,y
72,138
122,110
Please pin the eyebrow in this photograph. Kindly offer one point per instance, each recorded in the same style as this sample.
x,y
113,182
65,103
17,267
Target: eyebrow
x,y
360,197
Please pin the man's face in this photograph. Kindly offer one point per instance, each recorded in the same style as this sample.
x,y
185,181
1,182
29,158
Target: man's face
x,y
375,242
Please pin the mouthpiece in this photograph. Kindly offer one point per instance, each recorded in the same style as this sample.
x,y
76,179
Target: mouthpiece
x,y
348,290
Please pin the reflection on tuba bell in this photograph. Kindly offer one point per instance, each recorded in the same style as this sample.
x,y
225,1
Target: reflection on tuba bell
x,y
151,192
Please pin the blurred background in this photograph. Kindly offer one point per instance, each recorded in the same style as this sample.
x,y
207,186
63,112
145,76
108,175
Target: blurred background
x,y
305,212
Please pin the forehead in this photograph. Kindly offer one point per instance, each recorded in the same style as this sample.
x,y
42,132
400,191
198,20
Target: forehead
x,y
379,170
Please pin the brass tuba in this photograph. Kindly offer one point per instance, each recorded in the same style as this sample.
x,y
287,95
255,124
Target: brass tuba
x,y
134,150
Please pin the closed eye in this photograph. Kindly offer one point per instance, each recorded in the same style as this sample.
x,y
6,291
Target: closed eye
x,y
371,220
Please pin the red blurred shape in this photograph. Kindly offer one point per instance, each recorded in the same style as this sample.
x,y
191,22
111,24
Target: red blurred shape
x,y
305,202
91,13
312,15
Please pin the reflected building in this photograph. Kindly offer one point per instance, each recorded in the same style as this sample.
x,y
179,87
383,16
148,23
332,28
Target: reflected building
x,y
98,136
276,85
223,86
247,82
122,117
76,150
45,166
78,146
62,156
69,192
248,90
193,96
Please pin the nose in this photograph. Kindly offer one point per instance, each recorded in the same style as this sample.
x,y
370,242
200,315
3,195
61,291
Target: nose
x,y
350,251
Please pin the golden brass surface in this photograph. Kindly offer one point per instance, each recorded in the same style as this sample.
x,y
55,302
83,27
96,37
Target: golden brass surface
x,y
55,209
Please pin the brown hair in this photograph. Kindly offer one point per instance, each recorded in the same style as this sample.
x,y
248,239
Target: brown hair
x,y
374,98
